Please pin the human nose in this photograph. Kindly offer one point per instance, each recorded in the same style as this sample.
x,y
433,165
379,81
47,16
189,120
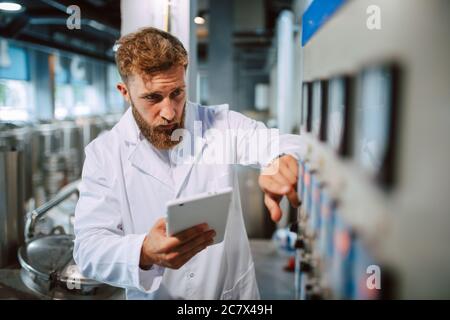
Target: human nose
x,y
168,112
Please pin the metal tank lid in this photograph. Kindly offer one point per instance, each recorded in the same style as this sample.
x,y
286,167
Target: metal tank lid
x,y
51,256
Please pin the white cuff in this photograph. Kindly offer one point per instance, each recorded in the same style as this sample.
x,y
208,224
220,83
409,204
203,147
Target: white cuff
x,y
146,281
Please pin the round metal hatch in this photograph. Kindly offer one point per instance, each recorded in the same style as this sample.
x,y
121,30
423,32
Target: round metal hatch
x,y
48,268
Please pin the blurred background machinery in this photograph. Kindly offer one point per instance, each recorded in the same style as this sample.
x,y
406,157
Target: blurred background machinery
x,y
371,80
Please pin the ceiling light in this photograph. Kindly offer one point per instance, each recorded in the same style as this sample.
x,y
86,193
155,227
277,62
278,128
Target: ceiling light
x,y
199,20
115,47
10,6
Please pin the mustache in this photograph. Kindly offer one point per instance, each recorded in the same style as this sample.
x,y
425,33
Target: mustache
x,y
160,127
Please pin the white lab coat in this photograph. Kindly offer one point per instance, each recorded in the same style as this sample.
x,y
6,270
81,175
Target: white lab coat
x,y
124,188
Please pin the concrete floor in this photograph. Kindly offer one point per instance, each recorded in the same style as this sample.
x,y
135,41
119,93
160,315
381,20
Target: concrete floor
x,y
274,282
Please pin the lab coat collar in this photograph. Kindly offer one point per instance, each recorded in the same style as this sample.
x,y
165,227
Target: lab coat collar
x,y
128,128
143,156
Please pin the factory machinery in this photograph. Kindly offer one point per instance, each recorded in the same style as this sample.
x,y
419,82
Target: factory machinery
x,y
52,152
373,108
40,167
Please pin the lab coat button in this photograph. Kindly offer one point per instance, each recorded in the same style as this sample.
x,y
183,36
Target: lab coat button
x,y
191,275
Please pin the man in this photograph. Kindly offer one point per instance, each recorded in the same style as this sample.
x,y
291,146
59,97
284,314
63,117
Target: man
x,y
130,173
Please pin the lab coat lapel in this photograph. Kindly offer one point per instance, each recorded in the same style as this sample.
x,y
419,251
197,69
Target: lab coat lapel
x,y
146,160
140,153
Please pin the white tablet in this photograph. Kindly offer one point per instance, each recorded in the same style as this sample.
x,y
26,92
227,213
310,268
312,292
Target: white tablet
x,y
210,207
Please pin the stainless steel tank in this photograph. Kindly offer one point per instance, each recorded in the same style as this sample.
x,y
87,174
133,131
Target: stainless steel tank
x,y
91,128
47,261
48,268
71,148
12,204
48,173
50,136
20,138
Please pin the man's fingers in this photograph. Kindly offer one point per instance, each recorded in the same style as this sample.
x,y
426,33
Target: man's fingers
x,y
160,224
269,184
273,207
198,240
281,180
288,173
278,185
286,178
292,164
284,182
184,236
192,232
293,198
183,258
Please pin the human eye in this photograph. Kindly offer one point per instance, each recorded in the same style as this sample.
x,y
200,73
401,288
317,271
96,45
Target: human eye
x,y
153,98
176,93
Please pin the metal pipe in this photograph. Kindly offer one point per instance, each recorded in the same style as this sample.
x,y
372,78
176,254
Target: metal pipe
x,y
37,214
285,71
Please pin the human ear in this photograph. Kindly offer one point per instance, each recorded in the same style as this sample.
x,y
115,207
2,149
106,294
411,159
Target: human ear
x,y
123,91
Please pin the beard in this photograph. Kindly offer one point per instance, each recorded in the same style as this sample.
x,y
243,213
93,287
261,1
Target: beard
x,y
158,136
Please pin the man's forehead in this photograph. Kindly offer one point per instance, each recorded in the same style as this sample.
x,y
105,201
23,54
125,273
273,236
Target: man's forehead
x,y
160,81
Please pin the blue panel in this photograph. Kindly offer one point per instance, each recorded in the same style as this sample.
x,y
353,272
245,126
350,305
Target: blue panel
x,y
62,72
18,69
317,15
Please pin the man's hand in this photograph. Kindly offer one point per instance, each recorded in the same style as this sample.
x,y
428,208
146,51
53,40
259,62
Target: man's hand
x,y
278,180
173,252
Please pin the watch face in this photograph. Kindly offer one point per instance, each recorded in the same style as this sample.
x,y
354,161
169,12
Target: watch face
x,y
373,118
336,112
